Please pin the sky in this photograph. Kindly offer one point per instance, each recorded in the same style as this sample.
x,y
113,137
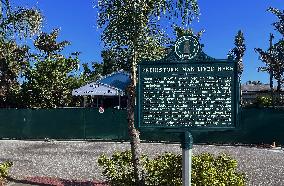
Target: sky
x,y
221,20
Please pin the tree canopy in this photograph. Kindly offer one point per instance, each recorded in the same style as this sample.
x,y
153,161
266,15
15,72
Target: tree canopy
x,y
279,25
134,25
21,21
49,81
273,58
238,51
13,57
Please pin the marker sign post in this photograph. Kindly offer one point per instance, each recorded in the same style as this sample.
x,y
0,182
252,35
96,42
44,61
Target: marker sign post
x,y
186,91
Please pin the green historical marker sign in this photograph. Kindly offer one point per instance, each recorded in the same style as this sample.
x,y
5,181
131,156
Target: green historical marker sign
x,y
188,90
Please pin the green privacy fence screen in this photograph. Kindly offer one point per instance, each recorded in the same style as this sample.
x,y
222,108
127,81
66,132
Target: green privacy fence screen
x,y
71,123
263,125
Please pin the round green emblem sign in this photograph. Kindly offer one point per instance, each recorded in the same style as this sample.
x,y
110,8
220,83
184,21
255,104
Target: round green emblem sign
x,y
187,47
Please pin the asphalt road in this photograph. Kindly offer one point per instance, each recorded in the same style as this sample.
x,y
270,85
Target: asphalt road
x,y
78,159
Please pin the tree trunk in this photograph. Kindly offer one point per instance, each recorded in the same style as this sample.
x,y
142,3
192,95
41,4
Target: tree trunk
x,y
278,85
278,91
271,71
1,8
271,87
134,134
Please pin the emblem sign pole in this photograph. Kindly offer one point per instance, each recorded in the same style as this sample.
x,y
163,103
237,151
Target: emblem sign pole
x,y
186,159
187,138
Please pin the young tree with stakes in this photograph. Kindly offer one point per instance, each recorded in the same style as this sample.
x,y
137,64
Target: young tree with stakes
x,y
132,26
274,56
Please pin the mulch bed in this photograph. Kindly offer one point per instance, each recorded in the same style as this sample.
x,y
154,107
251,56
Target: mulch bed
x,y
48,181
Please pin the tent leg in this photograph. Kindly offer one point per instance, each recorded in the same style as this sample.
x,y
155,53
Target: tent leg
x,y
84,101
118,101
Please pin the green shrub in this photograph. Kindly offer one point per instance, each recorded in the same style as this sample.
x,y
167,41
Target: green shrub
x,y
166,170
220,171
4,168
118,169
263,101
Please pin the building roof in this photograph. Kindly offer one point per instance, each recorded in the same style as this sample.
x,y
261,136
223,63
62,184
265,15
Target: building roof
x,y
255,87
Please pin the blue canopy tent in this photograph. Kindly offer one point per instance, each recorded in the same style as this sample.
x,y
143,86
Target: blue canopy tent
x,y
113,84
119,80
